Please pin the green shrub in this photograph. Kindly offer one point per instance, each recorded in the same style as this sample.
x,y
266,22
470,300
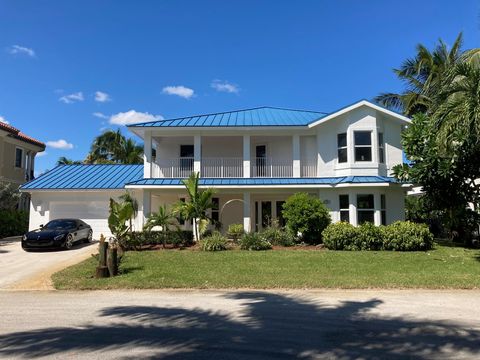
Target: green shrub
x,y
278,236
341,236
138,239
370,237
399,236
215,242
254,241
306,215
235,231
407,236
13,222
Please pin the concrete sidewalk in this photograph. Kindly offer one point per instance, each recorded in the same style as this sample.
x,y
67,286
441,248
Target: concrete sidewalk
x,y
331,324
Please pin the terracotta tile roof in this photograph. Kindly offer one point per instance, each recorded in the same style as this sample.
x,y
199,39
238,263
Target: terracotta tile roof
x,y
17,134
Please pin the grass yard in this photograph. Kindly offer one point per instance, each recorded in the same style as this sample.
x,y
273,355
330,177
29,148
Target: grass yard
x,y
443,267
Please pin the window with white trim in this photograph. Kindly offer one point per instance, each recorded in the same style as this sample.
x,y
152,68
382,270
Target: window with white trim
x,y
18,157
381,149
342,148
365,208
344,207
383,209
363,145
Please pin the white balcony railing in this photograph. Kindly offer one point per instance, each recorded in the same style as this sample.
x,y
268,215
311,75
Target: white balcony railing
x,y
222,167
271,167
308,167
232,167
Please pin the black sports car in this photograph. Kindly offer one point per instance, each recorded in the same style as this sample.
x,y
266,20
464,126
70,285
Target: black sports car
x,y
57,233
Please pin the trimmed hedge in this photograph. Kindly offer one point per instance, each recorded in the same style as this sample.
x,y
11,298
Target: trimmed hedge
x,y
399,236
13,223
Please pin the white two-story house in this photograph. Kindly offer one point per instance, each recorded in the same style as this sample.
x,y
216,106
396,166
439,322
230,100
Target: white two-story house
x,y
255,159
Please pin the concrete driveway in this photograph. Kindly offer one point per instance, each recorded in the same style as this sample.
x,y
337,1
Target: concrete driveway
x,y
32,270
353,324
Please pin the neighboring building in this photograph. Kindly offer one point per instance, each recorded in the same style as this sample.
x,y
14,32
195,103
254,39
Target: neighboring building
x,y
254,158
17,157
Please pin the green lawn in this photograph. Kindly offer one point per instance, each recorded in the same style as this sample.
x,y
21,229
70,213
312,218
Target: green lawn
x,y
444,267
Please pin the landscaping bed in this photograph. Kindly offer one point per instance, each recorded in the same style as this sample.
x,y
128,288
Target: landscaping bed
x,y
442,267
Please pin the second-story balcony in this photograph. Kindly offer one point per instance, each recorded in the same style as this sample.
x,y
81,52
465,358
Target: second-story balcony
x,y
233,167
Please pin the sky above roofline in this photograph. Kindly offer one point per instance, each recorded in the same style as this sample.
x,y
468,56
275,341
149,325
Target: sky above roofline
x,y
70,70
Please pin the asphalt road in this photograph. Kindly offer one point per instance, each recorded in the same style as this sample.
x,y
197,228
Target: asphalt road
x,y
240,325
32,270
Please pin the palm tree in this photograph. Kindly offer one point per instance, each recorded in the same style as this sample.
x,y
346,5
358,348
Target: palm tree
x,y
458,115
424,76
199,201
164,219
113,147
65,161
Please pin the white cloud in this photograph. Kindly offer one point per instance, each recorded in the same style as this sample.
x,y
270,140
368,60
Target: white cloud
x,y
224,86
181,91
3,120
60,144
17,49
100,115
132,117
102,97
69,99
40,154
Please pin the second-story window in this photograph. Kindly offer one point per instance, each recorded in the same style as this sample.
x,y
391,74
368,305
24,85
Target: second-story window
x,y
381,148
18,157
363,145
342,148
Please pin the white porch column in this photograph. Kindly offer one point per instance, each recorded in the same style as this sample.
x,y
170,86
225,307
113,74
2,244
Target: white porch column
x,y
377,215
197,153
352,198
319,158
246,156
147,155
147,204
246,212
296,155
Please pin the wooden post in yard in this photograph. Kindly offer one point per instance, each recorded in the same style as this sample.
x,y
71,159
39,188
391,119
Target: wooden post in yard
x,y
102,269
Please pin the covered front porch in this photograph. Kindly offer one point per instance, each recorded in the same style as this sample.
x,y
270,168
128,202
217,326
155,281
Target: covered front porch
x,y
254,210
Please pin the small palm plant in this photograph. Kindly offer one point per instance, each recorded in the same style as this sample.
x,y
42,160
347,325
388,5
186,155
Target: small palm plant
x,y
121,213
163,218
197,204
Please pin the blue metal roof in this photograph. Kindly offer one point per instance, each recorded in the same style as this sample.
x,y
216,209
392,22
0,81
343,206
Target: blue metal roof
x,y
262,116
269,181
86,177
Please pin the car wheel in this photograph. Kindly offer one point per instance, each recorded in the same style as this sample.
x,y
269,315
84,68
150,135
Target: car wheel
x,y
89,237
69,242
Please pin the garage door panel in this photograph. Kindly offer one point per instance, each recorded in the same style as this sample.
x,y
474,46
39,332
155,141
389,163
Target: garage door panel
x,y
94,213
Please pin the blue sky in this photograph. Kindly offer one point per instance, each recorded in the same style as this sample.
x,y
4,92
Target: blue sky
x,y
69,69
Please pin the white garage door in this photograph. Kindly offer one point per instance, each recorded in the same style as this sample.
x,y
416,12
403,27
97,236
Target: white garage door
x,y
94,213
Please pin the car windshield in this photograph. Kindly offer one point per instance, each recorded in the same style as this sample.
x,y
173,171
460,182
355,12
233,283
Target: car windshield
x,y
60,225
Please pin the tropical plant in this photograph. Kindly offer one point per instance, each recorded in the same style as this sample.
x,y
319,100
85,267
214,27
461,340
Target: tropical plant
x,y
214,242
307,216
113,147
65,161
130,200
196,205
235,231
254,241
121,213
9,196
164,219
424,76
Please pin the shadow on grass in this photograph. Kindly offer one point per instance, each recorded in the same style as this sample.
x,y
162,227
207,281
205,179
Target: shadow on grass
x,y
124,270
270,326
